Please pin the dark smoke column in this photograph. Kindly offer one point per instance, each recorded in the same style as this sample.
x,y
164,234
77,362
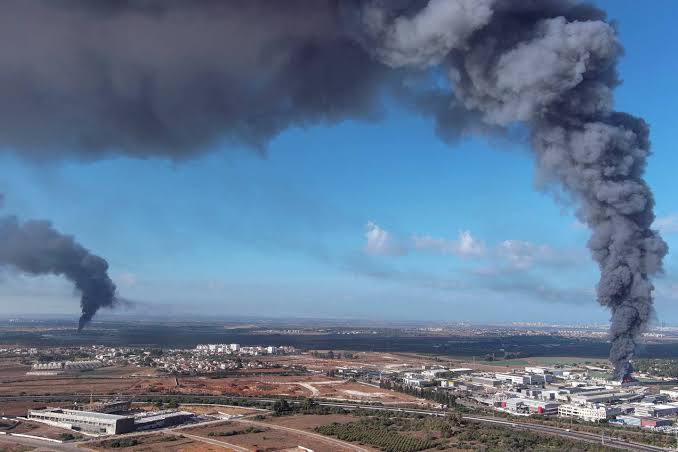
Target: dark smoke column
x,y
602,160
550,65
151,78
36,248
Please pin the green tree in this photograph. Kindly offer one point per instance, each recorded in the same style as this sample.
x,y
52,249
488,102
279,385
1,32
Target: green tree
x,y
308,404
281,406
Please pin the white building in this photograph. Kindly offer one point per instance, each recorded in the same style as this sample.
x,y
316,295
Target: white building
x,y
526,379
416,380
652,410
537,370
673,393
432,373
456,371
486,381
588,398
84,420
591,413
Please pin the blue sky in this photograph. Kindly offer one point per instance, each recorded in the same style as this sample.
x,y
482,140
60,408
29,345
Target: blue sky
x,y
356,220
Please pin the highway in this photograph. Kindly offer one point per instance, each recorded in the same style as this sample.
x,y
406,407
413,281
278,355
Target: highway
x,y
563,432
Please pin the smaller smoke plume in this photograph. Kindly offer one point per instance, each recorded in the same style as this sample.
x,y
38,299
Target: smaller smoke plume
x,y
36,248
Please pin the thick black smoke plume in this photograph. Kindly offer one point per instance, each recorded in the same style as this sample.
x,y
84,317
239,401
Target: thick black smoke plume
x,y
36,248
172,78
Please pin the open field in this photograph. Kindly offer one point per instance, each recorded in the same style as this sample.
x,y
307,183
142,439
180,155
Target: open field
x,y
7,446
259,436
34,428
214,410
291,386
32,385
305,422
12,368
156,442
204,409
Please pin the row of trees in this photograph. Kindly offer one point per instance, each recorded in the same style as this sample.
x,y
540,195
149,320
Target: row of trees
x,y
307,406
332,355
434,394
367,432
659,367
500,439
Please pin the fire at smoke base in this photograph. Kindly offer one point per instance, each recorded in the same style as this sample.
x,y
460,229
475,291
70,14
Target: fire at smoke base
x,y
171,79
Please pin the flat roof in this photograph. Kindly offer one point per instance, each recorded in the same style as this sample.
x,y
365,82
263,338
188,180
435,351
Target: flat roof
x,y
76,413
158,416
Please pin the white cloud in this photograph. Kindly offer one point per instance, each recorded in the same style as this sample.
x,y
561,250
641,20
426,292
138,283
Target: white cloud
x,y
509,255
468,246
667,224
380,242
465,245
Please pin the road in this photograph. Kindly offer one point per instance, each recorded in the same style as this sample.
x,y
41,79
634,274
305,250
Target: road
x,y
583,436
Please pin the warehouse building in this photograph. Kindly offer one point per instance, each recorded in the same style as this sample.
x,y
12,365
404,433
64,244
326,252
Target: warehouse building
x,y
645,422
518,379
86,421
519,405
652,410
672,393
591,413
161,419
486,381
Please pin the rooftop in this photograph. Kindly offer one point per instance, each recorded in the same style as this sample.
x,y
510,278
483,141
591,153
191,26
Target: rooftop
x,y
76,413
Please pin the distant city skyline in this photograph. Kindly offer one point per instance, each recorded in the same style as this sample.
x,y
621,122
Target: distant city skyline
x,y
366,220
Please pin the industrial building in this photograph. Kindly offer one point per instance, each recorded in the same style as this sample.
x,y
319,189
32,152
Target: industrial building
x,y
160,419
86,421
646,422
590,397
591,413
486,381
672,393
529,406
525,379
107,406
59,367
652,410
